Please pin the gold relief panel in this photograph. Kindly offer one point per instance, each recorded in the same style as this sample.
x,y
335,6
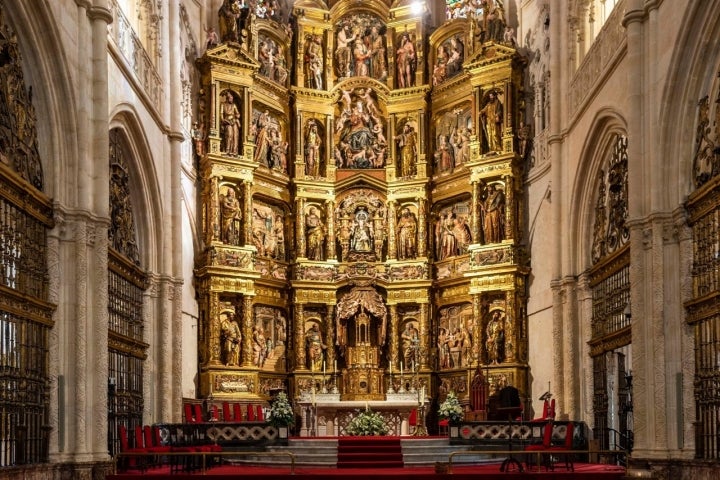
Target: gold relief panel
x,y
270,295
269,338
496,255
268,385
453,130
232,383
419,295
405,272
498,168
272,270
315,273
493,282
457,383
453,294
454,337
360,127
451,229
316,296
221,169
452,268
230,257
231,285
270,133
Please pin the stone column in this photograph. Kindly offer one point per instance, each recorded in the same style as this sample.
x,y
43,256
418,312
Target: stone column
x,y
247,330
392,220
330,222
300,363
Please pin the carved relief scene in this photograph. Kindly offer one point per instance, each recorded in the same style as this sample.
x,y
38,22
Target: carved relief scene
x,y
452,234
453,129
273,59
269,338
230,208
454,337
360,47
268,230
271,145
449,57
359,138
492,211
314,148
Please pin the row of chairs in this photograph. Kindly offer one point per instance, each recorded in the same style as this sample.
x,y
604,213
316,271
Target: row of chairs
x,y
552,451
235,412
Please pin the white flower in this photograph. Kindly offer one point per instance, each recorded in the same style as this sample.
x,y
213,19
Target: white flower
x,y
367,422
281,413
451,408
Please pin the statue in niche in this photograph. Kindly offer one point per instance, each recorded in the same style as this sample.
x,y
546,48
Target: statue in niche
x,y
313,144
407,145
495,342
378,60
230,125
263,138
452,232
231,214
315,348
315,229
456,51
345,37
229,18
440,69
314,62
260,346
406,61
491,116
493,214
278,152
410,345
406,235
231,339
444,154
361,233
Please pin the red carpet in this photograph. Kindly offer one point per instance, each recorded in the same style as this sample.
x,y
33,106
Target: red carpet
x,y
369,452
583,471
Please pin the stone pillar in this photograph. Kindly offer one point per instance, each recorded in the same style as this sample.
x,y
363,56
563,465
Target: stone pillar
x,y
330,222
300,363
391,221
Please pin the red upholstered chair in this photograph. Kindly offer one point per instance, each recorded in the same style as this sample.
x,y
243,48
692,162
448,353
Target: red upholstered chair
x,y
412,420
443,426
237,413
227,416
250,412
198,413
541,458
154,446
566,446
260,416
188,413
128,461
214,413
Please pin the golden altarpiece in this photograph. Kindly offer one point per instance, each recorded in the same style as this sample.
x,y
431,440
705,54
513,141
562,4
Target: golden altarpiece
x,y
361,198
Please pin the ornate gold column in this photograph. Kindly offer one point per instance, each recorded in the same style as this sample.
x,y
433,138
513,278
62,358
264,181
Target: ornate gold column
x,y
479,345
510,330
424,335
300,337
247,211
509,206
394,340
300,227
329,214
213,313
247,330
330,336
392,220
422,234
475,213
213,212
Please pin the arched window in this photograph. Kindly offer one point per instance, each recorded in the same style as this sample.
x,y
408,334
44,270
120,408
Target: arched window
x,y
127,283
25,314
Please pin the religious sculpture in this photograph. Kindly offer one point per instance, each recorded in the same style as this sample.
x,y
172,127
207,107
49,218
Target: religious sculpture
x,y
360,142
313,143
361,234
406,61
231,339
314,62
259,342
407,146
493,215
491,117
230,125
495,342
406,235
315,229
378,60
410,345
315,348
231,214
342,53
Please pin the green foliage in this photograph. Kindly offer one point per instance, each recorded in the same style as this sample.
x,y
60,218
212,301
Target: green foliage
x,y
281,413
367,423
451,409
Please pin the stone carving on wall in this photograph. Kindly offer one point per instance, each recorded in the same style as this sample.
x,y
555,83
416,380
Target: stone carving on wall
x,y
271,147
268,230
121,234
706,163
269,338
360,49
454,339
452,230
361,222
610,231
453,129
359,138
231,216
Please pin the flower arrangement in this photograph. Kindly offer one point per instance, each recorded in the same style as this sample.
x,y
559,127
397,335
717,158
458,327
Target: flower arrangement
x,y
451,409
281,412
367,422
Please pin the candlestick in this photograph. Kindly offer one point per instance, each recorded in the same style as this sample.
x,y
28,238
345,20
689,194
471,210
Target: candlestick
x,y
401,368
391,368
323,368
335,367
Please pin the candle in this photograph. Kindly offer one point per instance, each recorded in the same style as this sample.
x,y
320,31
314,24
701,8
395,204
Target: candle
x,y
391,368
401,368
335,366
367,407
323,368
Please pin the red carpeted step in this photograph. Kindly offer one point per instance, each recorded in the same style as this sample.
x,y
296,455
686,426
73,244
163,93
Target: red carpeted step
x,y
369,452
371,464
